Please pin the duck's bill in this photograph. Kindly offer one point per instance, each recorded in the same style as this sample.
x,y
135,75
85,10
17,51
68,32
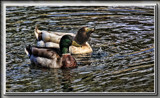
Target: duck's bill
x,y
90,30
74,43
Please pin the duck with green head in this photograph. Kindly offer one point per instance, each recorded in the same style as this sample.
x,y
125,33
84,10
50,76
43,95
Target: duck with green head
x,y
53,57
52,39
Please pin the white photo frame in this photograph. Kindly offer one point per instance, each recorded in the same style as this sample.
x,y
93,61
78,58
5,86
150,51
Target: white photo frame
x,y
5,4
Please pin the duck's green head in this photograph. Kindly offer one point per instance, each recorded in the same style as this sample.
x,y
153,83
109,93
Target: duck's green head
x,y
65,42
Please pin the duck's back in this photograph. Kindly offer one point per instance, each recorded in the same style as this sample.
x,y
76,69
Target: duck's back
x,y
46,52
46,57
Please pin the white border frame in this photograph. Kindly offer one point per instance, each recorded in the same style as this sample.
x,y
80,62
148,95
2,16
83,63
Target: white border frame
x,y
78,3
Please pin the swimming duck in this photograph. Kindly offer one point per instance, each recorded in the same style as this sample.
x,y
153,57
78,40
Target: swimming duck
x,y
52,39
53,57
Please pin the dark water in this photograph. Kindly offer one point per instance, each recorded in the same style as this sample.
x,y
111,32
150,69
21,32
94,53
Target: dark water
x,y
123,49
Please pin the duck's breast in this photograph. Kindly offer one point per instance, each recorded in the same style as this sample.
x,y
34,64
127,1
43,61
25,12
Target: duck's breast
x,y
68,61
85,48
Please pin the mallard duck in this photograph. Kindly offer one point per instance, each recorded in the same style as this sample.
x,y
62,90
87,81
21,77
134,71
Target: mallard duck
x,y
52,39
53,57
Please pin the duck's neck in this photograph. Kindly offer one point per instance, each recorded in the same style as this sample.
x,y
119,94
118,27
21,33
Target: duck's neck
x,y
64,50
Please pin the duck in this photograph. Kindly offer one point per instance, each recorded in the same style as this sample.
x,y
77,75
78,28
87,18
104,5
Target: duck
x,y
53,57
52,39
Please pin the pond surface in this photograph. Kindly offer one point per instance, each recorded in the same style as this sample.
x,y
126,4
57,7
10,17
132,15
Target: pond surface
x,y
123,49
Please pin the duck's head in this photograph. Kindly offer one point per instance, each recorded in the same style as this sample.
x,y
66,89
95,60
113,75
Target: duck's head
x,y
65,42
83,35
67,60
87,30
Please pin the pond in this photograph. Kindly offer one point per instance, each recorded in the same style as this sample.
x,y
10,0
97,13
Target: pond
x,y
123,49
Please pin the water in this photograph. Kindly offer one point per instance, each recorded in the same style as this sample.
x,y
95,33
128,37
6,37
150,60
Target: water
x,y
123,49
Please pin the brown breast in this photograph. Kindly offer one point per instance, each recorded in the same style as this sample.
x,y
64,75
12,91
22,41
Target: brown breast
x,y
68,61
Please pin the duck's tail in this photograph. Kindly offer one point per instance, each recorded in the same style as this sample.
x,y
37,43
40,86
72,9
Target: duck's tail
x,y
28,51
37,32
